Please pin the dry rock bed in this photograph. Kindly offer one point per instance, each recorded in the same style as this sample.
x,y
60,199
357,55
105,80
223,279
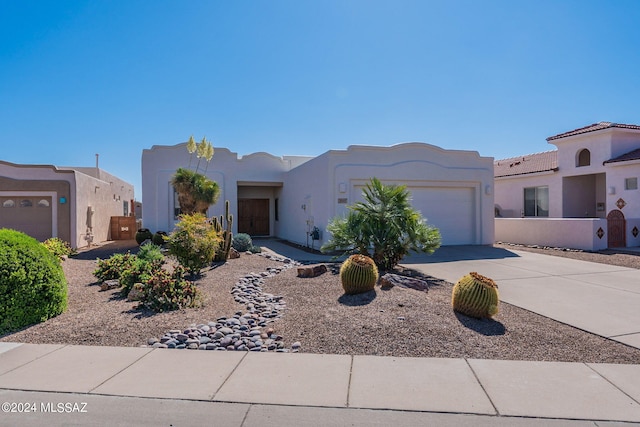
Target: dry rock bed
x,y
258,303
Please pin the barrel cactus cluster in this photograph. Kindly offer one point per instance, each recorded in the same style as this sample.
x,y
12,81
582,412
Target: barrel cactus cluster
x,y
476,296
358,274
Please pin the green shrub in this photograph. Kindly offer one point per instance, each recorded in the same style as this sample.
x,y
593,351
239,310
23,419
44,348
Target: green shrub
x,y
58,247
140,270
242,242
33,287
255,249
165,291
143,234
383,226
111,268
159,238
194,242
151,252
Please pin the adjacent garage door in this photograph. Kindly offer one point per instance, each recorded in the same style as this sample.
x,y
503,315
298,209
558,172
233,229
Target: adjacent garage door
x,y
31,215
451,209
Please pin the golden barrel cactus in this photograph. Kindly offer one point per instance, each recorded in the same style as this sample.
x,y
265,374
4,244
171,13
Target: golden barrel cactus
x,y
476,296
358,274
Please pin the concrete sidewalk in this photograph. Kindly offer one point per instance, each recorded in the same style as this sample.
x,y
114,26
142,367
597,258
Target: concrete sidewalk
x,y
144,386
160,386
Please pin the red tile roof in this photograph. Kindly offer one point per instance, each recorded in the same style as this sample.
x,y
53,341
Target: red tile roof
x,y
530,163
592,128
631,155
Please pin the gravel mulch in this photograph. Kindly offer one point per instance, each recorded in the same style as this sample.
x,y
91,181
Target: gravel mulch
x,y
394,322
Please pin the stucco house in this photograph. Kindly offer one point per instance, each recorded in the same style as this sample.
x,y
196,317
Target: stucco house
x,y
73,203
290,196
582,195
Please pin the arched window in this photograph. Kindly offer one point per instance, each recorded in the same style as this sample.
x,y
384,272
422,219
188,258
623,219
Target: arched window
x,y
584,158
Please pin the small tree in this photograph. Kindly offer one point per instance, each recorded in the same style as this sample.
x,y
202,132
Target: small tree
x,y
194,242
384,226
195,191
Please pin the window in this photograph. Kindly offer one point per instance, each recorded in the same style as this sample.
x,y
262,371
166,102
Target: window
x,y
631,183
125,208
177,211
26,203
43,203
9,204
584,158
536,201
276,209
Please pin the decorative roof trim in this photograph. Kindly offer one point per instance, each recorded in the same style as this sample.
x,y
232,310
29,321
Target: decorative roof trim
x,y
593,128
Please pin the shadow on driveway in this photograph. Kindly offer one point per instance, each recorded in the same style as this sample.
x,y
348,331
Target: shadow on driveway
x,y
459,253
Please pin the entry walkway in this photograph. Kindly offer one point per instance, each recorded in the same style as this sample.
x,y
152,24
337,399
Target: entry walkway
x,y
144,386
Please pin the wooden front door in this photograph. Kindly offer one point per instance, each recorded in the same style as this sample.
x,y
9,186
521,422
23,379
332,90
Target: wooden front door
x,y
616,229
253,216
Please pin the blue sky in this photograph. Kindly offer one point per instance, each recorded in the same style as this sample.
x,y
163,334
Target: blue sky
x,y
302,77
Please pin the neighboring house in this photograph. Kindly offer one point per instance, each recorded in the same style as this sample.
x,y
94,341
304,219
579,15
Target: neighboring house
x,y
290,196
73,203
590,182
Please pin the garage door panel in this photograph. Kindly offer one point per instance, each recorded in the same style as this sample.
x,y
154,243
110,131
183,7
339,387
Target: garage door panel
x,y
30,215
451,209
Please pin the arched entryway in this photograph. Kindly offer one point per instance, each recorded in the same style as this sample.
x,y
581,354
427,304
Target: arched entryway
x,y
616,229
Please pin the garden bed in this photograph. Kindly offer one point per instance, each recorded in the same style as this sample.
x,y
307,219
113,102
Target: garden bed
x,y
394,322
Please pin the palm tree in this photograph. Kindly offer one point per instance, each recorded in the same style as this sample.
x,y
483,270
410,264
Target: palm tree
x,y
384,226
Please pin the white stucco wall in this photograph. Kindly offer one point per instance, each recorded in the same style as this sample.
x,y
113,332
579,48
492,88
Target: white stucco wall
x,y
509,193
230,171
598,182
311,191
576,233
438,180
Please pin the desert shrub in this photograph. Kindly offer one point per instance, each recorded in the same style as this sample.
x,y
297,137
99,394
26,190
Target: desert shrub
x,y
159,238
164,291
151,252
143,234
384,226
140,270
33,287
112,267
193,242
241,242
255,249
58,247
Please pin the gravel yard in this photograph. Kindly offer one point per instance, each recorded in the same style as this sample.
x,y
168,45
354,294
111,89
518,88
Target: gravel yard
x,y
394,322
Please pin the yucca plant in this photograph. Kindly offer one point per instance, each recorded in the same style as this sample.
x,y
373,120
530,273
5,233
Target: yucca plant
x,y
476,296
358,274
195,191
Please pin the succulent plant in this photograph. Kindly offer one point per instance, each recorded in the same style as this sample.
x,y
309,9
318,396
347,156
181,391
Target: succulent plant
x,y
222,253
475,295
358,274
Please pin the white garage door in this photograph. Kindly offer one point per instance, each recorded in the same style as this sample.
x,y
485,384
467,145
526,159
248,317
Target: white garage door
x,y
451,209
31,215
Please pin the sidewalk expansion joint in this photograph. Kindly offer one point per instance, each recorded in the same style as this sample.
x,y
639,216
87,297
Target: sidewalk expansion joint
x,y
495,408
349,384
121,370
612,383
213,396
